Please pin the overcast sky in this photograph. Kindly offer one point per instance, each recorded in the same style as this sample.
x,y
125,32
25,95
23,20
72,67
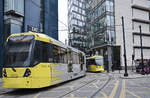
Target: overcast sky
x,y
62,23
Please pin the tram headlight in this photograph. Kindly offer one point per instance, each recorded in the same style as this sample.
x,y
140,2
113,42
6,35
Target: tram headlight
x,y
27,73
4,73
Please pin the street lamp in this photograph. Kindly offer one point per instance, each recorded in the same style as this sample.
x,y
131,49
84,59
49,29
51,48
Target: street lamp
x,y
141,50
124,43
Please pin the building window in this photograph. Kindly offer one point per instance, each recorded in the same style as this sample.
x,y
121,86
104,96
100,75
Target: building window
x,y
110,20
14,5
132,25
149,19
15,28
109,6
132,1
132,12
148,3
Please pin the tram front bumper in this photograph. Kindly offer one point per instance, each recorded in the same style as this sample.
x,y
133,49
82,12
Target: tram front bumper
x,y
99,68
25,82
16,83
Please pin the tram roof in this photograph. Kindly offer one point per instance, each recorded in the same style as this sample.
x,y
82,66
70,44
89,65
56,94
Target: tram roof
x,y
46,38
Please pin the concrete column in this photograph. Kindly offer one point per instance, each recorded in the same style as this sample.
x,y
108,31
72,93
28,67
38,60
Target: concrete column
x,y
109,51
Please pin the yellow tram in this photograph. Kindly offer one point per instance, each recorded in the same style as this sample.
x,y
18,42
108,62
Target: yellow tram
x,y
95,64
34,60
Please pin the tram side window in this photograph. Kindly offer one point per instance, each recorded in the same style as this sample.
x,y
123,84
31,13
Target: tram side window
x,y
75,58
62,55
81,59
42,52
91,62
37,53
59,54
45,50
56,54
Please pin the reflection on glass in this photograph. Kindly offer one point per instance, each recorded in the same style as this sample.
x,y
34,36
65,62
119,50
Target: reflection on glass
x,y
99,61
17,51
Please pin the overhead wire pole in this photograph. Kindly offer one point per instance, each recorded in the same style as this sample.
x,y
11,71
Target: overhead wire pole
x,y
124,43
141,50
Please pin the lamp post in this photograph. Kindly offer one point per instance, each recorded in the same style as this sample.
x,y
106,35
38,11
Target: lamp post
x,y
124,43
141,50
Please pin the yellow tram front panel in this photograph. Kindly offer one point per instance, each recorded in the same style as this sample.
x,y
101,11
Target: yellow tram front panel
x,y
95,68
40,77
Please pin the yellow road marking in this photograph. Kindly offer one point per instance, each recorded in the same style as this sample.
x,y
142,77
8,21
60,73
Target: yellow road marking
x,y
105,96
71,87
133,94
123,90
72,96
37,95
114,90
95,85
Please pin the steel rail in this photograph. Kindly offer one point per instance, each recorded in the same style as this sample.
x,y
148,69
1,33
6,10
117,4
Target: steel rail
x,y
100,88
82,86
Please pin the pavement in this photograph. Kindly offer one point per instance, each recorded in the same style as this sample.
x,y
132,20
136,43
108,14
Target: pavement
x,y
133,86
131,74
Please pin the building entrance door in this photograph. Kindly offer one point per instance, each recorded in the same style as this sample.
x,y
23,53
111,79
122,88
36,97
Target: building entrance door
x,y
116,58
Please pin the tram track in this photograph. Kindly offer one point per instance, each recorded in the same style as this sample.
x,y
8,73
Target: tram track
x,y
76,89
100,88
84,85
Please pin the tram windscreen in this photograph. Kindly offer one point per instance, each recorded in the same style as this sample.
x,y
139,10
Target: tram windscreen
x,y
17,52
99,61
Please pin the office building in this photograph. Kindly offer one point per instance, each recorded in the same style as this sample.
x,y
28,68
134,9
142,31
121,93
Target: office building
x,y
28,15
31,15
76,24
1,34
104,26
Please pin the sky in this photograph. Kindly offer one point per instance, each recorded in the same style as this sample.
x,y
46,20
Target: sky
x,y
63,17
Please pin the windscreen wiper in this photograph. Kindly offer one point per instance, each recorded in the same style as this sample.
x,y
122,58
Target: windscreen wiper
x,y
13,69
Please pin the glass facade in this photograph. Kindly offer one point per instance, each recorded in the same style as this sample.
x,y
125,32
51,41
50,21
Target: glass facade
x,y
14,5
76,15
76,24
1,36
148,3
51,18
32,16
100,22
15,28
14,15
